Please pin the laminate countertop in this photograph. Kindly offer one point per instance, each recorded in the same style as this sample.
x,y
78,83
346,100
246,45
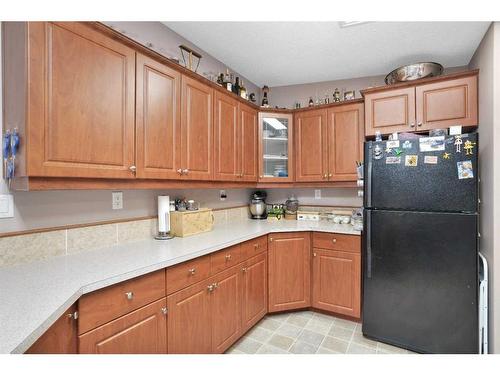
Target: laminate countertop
x,y
34,295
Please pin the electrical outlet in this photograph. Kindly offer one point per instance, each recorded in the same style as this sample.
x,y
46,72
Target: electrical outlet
x,y
317,193
223,195
117,200
6,206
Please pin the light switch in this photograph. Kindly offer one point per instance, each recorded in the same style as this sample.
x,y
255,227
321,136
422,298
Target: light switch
x,y
6,206
317,194
117,200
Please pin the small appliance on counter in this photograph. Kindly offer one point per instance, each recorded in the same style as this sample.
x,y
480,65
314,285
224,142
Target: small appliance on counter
x,y
291,207
258,205
163,218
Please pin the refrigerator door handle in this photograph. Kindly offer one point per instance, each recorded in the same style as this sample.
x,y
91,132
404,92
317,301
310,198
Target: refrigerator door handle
x,y
368,231
368,175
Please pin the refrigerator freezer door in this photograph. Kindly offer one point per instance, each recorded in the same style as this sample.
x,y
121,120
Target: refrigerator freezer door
x,y
421,181
420,280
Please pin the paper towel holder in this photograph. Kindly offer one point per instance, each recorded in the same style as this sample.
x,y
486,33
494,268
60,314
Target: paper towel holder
x,y
163,218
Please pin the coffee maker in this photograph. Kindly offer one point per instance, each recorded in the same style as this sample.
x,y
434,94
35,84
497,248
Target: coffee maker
x,y
258,205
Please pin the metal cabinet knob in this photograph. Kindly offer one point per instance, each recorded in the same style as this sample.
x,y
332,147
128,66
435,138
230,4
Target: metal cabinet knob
x,y
132,168
334,240
216,285
185,171
179,171
73,316
164,310
228,257
129,295
314,254
325,175
419,124
256,246
244,270
192,271
271,239
210,288
412,125
330,175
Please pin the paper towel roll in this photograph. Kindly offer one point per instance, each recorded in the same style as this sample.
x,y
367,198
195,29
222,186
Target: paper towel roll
x,y
163,213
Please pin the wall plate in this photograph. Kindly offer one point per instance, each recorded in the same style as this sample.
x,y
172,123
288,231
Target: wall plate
x,y
6,206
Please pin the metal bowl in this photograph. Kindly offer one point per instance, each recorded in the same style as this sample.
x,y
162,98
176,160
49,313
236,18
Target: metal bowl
x,y
413,72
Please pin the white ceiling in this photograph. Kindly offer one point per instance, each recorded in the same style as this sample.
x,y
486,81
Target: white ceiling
x,y
286,53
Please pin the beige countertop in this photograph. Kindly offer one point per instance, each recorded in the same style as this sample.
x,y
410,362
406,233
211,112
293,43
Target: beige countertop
x,y
33,296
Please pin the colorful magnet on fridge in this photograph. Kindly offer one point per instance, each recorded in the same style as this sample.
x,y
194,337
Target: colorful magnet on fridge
x,y
398,151
464,169
377,152
446,155
469,147
458,143
407,145
411,160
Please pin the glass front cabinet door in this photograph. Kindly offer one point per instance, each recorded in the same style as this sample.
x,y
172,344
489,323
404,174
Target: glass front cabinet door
x,y
275,147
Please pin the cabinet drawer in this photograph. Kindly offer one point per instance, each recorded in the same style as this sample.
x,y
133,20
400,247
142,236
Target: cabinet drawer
x,y
253,247
187,273
225,258
112,302
341,242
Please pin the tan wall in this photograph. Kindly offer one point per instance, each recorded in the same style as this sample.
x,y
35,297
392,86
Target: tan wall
x,y
486,57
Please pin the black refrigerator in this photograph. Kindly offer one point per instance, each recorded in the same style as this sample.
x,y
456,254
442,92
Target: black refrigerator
x,y
420,243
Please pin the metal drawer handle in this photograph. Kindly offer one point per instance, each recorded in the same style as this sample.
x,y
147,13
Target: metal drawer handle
x,y
164,310
228,257
257,245
192,271
314,254
73,316
129,295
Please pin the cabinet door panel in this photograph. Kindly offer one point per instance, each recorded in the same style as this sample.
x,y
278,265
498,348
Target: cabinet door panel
x,y
60,338
248,141
254,295
447,103
390,111
289,271
189,320
226,147
345,141
337,282
226,310
82,89
197,130
157,120
311,146
143,331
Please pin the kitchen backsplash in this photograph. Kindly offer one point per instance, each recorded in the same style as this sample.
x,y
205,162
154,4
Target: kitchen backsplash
x,y
31,247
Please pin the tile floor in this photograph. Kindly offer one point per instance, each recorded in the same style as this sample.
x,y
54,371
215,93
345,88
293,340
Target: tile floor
x,y
307,332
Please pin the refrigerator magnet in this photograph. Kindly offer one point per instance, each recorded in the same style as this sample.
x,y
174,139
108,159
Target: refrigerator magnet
x,y
388,150
464,169
429,144
407,145
398,151
393,160
446,155
411,160
392,144
377,152
428,159
469,147
458,143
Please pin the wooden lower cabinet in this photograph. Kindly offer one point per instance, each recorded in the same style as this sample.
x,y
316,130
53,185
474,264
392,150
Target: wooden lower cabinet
x,y
336,282
289,261
143,331
60,338
254,291
226,309
189,320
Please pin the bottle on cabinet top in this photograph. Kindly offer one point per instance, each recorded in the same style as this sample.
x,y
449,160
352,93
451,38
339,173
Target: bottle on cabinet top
x,y
243,90
227,81
236,86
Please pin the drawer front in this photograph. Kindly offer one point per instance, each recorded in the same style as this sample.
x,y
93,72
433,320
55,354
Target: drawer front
x,y
225,258
253,247
104,305
341,242
187,273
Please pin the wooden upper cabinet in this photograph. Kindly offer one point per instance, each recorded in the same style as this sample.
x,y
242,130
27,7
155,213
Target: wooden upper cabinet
x,y
158,136
289,261
390,111
336,284
143,331
446,103
196,130
81,103
189,320
345,141
248,143
60,338
311,147
226,138
254,291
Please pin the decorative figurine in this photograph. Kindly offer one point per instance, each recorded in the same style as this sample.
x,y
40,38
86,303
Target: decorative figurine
x,y
336,96
468,147
251,97
265,101
349,95
327,99
311,102
458,143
